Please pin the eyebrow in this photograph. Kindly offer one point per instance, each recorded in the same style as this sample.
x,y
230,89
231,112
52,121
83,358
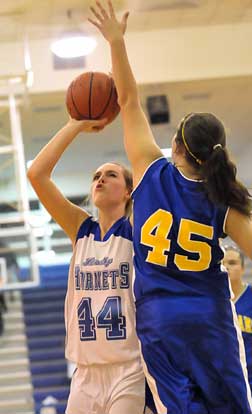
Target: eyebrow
x,y
106,172
231,260
109,171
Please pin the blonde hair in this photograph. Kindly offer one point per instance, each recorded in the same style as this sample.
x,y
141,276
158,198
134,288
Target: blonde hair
x,y
129,185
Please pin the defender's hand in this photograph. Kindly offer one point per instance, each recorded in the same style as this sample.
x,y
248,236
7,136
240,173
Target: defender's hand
x,y
107,23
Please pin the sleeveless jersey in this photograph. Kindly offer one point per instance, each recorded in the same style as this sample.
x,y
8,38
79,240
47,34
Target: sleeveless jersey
x,y
243,305
99,306
176,236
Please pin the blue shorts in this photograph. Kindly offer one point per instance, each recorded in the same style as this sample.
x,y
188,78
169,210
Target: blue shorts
x,y
193,355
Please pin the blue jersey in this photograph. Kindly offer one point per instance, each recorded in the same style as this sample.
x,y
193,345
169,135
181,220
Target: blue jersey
x,y
176,236
243,307
184,313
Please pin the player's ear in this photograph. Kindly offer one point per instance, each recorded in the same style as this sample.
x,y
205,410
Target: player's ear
x,y
182,150
128,194
178,149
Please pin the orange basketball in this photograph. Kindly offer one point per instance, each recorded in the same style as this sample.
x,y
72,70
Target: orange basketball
x,y
92,95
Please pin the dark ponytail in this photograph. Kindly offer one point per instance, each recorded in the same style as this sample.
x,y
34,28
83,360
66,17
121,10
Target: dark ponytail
x,y
203,137
222,187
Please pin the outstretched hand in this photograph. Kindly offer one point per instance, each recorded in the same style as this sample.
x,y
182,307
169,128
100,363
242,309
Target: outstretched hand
x,y
111,28
88,125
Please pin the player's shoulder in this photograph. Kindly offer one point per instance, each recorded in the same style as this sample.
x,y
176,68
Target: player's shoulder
x,y
249,290
88,226
122,228
246,297
152,174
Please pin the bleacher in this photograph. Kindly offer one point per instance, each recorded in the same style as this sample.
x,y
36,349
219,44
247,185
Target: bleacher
x,y
43,309
16,391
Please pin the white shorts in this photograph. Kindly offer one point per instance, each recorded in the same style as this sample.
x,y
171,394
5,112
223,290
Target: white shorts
x,y
108,389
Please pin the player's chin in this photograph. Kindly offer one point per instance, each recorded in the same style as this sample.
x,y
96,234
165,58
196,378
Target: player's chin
x,y
99,198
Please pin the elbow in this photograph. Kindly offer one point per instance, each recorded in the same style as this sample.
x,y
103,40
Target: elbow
x,y
129,101
33,174
129,96
29,174
247,250
38,181
249,254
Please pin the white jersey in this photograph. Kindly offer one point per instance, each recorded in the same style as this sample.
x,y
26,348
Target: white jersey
x,y
99,306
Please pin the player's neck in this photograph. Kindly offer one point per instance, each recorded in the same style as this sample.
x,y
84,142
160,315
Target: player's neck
x,y
185,168
188,172
107,218
238,287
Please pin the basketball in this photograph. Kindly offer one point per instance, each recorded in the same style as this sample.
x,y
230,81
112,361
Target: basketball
x,y
92,95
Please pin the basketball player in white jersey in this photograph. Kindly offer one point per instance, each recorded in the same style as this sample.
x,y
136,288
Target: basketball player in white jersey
x,y
99,307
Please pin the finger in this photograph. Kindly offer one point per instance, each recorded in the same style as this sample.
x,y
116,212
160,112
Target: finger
x,y
97,128
111,8
97,15
125,18
95,23
103,122
99,122
102,10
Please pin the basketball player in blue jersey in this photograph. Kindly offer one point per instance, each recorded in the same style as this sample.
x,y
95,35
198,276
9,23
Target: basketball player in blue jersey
x,y
234,263
99,308
191,344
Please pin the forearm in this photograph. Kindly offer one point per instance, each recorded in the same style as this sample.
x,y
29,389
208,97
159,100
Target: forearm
x,y
48,157
139,142
123,76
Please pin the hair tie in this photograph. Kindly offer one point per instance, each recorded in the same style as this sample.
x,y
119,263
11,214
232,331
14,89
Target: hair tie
x,y
217,146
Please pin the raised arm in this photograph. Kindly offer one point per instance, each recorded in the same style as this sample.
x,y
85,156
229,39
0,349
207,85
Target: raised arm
x,y
66,214
139,142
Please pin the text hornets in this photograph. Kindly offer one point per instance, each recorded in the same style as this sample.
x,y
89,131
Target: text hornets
x,y
101,280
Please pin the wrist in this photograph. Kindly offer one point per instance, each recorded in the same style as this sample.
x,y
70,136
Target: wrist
x,y
73,125
72,129
117,40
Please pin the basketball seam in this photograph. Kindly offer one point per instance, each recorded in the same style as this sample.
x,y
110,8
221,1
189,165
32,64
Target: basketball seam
x,y
109,99
75,107
90,96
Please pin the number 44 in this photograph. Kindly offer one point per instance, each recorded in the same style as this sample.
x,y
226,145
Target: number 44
x,y
109,317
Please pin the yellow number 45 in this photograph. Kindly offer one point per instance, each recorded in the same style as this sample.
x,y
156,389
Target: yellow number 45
x,y
155,231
